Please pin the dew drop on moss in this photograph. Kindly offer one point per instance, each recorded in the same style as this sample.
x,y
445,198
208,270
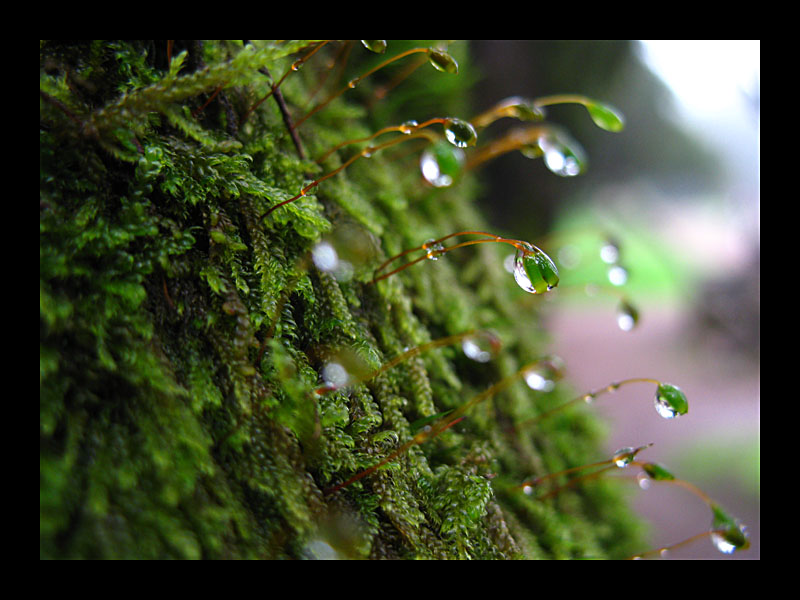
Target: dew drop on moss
x,y
442,61
481,346
460,133
377,46
670,401
563,156
534,271
441,164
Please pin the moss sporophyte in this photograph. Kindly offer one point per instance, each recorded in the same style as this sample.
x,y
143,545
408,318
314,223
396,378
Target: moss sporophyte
x,y
255,383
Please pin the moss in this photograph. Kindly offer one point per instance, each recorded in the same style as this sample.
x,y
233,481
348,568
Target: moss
x,y
182,337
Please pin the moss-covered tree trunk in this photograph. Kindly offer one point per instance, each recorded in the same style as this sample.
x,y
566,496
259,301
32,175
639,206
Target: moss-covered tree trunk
x,y
182,336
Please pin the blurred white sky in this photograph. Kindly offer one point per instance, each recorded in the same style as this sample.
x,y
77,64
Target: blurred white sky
x,y
716,87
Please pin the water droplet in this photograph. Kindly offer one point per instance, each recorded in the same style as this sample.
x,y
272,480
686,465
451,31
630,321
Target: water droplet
x,y
670,401
729,534
624,456
618,275
609,252
352,83
481,346
345,250
520,108
588,398
534,271
409,126
606,117
442,61
435,250
527,490
318,549
325,257
562,155
627,316
441,164
537,380
335,375
377,46
460,133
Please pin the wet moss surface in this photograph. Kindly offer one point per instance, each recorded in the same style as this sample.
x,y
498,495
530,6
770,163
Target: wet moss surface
x,y
182,336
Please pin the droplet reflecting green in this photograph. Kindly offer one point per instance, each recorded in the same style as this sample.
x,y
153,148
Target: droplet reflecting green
x,y
562,155
605,117
729,534
441,164
460,133
520,108
534,271
378,46
442,61
670,401
624,456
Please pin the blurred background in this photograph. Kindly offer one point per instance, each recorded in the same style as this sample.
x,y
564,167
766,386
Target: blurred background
x,y
677,191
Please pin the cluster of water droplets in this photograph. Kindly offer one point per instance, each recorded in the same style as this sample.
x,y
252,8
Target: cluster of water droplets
x,y
433,249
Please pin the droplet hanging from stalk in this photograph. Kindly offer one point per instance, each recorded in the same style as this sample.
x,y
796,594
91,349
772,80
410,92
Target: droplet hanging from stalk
x,y
534,271
441,164
670,401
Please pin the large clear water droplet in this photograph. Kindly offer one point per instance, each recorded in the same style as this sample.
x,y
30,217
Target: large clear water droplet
x,y
324,256
335,375
537,379
520,108
670,401
562,155
481,346
729,534
534,271
460,133
345,251
377,46
442,61
441,164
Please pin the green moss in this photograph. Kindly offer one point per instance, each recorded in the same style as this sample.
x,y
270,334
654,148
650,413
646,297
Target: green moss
x,y
182,337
